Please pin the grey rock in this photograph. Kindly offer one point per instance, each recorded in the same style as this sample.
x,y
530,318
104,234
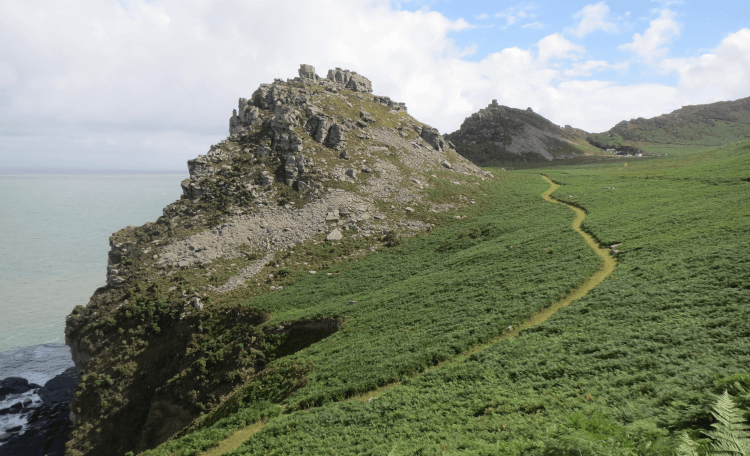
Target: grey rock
x,y
433,138
350,80
447,164
307,72
334,235
183,263
60,388
284,117
409,209
13,385
196,303
366,116
266,178
336,138
351,173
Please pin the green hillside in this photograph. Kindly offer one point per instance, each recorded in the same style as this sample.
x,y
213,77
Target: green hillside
x,y
419,365
706,125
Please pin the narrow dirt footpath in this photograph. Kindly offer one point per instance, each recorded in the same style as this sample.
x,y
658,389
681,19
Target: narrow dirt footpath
x,y
607,267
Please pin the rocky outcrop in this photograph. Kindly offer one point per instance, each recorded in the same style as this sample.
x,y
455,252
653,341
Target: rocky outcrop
x,y
350,80
307,160
48,424
499,134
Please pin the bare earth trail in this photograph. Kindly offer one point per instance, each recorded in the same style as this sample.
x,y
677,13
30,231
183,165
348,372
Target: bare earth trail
x,y
607,267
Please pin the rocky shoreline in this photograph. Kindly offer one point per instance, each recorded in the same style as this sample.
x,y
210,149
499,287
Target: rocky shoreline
x,y
34,419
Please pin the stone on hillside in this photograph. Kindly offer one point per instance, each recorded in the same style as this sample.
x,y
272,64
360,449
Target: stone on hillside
x,y
409,209
447,164
196,302
334,235
332,216
433,138
308,72
266,178
351,173
350,80
366,116
336,136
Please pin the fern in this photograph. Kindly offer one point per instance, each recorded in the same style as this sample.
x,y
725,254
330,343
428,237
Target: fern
x,y
730,436
688,446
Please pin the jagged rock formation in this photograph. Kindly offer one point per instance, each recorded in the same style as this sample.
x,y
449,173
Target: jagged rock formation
x,y
497,134
308,160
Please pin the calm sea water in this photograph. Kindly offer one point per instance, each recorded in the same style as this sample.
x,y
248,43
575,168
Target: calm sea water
x,y
54,239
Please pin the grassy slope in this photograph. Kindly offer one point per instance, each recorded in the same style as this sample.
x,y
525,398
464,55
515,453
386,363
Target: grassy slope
x,y
615,373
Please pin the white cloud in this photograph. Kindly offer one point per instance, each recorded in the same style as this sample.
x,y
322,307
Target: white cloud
x,y
533,25
107,70
481,16
514,14
721,74
555,46
585,68
143,84
592,18
651,45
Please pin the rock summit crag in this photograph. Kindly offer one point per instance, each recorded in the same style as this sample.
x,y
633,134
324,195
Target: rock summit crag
x,y
308,161
497,134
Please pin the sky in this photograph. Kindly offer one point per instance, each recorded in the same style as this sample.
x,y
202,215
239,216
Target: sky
x,y
147,85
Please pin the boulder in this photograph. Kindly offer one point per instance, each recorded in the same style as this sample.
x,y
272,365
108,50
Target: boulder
x,y
13,385
318,125
366,116
307,72
266,178
334,235
60,388
433,138
336,136
350,80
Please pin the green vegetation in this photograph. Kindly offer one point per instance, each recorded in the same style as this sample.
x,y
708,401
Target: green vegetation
x,y
699,126
626,370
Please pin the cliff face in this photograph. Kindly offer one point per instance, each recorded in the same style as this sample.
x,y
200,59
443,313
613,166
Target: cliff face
x,y
311,165
498,133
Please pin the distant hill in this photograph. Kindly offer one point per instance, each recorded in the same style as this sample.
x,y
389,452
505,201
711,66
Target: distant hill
x,y
699,125
499,134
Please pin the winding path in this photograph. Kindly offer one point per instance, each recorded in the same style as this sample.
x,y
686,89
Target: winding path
x,y
607,267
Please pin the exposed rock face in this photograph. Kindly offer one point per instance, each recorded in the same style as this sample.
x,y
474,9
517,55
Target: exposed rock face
x,y
498,133
307,160
350,80
48,423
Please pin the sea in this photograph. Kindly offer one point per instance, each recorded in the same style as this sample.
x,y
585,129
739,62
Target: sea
x,y
54,238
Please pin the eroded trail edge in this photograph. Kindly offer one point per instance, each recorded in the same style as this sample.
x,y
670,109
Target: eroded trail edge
x,y
606,268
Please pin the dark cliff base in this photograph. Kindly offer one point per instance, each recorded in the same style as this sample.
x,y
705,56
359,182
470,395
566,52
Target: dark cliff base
x,y
49,425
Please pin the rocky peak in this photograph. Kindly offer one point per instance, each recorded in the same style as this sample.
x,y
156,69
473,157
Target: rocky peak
x,y
308,160
499,133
